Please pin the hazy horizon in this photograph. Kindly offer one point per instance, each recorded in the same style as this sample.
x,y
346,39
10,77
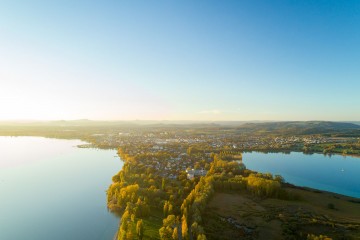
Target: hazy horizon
x,y
35,121
176,61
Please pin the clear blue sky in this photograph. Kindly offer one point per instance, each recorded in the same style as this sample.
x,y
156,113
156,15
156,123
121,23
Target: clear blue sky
x,y
195,60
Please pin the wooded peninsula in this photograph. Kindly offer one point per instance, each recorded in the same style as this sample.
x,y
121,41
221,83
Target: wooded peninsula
x,y
188,181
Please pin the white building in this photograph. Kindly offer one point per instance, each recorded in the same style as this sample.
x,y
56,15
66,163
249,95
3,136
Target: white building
x,y
191,174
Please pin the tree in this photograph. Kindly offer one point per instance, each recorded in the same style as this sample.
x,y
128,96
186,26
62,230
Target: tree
x,y
140,229
165,233
184,229
197,166
163,184
171,209
192,150
201,237
122,235
169,221
279,178
175,234
166,208
320,237
194,229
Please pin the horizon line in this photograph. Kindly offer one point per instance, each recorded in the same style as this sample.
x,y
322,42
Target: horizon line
x,y
165,120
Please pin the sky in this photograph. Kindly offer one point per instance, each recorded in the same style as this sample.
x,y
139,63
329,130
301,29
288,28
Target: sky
x,y
180,60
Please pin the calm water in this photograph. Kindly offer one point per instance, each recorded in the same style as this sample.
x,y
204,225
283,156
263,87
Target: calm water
x,y
336,173
50,189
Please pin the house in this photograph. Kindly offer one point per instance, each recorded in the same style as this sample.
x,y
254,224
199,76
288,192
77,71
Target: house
x,y
191,174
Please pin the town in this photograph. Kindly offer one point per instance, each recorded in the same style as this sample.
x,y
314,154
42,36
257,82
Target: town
x,y
177,172
189,181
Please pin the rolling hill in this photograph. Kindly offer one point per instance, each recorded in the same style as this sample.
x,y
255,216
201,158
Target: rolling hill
x,y
300,127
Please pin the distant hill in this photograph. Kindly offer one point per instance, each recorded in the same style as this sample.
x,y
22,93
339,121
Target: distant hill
x,y
356,122
283,128
300,128
66,123
124,123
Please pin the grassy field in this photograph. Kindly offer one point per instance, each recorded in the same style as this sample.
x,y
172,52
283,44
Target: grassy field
x,y
240,215
152,224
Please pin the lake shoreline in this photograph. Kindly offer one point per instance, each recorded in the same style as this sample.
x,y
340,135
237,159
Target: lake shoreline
x,y
306,153
86,144
314,190
57,173
335,174
272,218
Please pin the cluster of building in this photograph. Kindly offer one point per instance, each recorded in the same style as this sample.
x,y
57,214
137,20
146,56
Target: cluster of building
x,y
176,141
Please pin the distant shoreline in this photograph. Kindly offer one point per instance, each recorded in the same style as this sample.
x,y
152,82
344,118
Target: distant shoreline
x,y
88,144
308,153
314,190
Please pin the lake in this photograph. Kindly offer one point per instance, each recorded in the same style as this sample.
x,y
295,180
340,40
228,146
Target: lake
x,y
334,173
50,189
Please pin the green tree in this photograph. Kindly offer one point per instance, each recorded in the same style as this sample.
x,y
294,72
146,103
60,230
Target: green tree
x,y
171,209
194,229
166,208
163,184
201,237
140,229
